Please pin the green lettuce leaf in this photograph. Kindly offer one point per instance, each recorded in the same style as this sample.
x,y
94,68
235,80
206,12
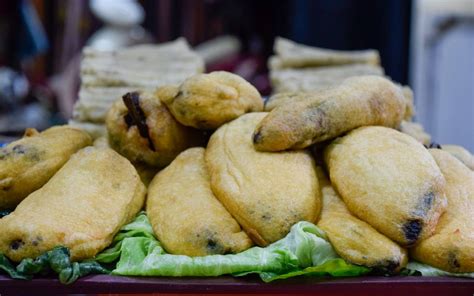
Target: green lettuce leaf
x,y
417,268
55,261
10,269
304,251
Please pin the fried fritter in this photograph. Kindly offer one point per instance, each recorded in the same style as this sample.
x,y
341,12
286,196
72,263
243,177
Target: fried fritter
x,y
389,180
142,129
353,239
461,154
186,216
27,164
206,101
415,130
265,192
358,101
451,248
81,207
286,98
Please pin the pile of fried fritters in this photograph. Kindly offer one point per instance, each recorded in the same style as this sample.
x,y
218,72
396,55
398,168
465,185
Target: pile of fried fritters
x,y
223,171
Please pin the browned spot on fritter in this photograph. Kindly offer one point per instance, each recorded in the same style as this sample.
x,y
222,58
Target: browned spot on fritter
x,y
257,137
412,230
453,260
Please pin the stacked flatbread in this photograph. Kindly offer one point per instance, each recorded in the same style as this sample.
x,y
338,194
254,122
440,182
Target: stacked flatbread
x,y
107,75
297,67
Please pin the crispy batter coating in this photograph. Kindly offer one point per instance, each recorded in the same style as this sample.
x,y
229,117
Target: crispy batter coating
x,y
461,154
451,248
156,139
358,101
81,207
206,101
27,164
265,192
389,180
415,130
186,216
353,239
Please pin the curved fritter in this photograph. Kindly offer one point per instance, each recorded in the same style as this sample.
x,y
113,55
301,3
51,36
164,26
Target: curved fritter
x,y
451,248
186,216
141,128
265,192
389,180
353,239
461,153
81,207
206,101
358,101
27,164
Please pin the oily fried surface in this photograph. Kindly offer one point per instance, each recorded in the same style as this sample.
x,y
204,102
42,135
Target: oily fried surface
x,y
389,180
186,216
415,130
285,98
206,101
266,192
81,207
27,164
451,248
461,154
167,135
353,239
358,101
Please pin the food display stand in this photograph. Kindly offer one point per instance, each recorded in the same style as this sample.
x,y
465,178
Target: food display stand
x,y
408,285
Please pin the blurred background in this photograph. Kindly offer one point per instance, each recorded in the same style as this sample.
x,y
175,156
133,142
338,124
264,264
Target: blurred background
x,y
426,44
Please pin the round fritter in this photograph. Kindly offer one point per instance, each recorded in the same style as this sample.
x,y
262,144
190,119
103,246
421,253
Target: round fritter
x,y
81,207
186,216
27,164
265,192
389,180
206,101
353,239
142,129
451,248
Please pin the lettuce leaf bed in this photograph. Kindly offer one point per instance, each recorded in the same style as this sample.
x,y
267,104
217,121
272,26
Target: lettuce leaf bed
x,y
136,252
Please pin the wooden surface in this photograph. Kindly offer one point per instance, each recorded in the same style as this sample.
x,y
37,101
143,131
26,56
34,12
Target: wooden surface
x,y
231,285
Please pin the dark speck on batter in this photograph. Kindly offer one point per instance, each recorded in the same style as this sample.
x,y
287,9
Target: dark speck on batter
x,y
16,244
257,137
412,230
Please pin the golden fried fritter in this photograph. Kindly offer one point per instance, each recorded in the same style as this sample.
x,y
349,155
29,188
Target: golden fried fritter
x,y
286,98
206,101
389,180
461,154
186,216
415,130
358,101
81,207
265,192
451,248
353,239
142,129
27,164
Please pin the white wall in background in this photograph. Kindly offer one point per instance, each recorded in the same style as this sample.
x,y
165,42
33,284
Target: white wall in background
x,y
442,69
